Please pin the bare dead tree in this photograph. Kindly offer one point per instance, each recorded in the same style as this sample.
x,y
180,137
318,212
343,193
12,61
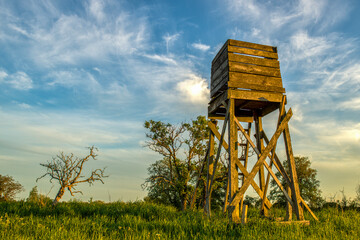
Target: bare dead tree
x,y
67,170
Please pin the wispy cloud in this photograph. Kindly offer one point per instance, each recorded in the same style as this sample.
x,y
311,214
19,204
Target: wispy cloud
x,y
161,58
353,104
305,46
170,39
71,38
267,21
200,46
3,75
96,8
73,78
18,80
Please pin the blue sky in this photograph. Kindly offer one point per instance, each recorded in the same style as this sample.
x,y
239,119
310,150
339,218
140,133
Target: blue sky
x,y
80,73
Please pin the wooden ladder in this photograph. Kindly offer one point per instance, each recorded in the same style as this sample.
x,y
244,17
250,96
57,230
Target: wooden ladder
x,y
244,158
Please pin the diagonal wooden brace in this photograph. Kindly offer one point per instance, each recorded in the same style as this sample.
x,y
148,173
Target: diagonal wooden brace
x,y
240,166
284,123
253,184
283,173
278,183
219,150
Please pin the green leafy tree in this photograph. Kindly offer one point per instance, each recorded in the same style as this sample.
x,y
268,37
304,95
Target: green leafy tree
x,y
357,198
36,197
182,147
9,188
309,185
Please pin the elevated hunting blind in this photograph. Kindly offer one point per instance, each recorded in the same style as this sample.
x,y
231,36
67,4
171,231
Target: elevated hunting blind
x,y
246,85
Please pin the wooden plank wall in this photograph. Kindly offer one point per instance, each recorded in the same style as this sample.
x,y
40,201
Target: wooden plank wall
x,y
247,66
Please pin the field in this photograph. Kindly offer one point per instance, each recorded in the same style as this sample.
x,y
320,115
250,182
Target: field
x,y
139,220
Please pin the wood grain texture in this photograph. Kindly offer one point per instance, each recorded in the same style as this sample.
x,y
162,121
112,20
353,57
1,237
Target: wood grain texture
x,y
255,79
278,183
233,42
260,147
219,61
219,70
254,69
210,168
261,160
233,57
219,149
253,52
217,135
254,184
233,157
217,102
221,80
244,214
240,84
255,95
220,51
293,175
240,119
221,87
239,165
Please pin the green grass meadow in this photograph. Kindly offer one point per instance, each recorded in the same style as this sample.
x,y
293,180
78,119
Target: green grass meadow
x,y
140,220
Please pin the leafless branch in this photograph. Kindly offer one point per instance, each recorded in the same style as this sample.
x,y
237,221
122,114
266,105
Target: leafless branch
x,y
67,170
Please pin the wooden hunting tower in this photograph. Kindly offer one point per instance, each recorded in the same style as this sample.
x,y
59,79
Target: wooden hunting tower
x,y
246,85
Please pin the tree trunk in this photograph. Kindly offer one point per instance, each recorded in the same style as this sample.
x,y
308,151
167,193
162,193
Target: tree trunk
x,y
59,195
184,202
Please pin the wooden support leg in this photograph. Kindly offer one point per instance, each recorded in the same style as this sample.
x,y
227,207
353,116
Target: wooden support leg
x,y
238,163
210,169
288,216
283,173
233,156
260,147
245,159
199,176
244,214
235,200
263,136
221,143
295,184
226,201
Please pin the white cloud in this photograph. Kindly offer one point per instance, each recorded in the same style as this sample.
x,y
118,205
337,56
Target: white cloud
x,y
74,78
74,39
287,16
96,8
115,94
20,81
345,77
111,92
247,8
24,106
311,8
200,46
331,134
19,30
352,104
193,89
161,58
306,46
170,39
3,75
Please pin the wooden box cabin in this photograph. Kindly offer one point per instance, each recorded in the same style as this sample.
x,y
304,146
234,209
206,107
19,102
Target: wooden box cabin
x,y
249,73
